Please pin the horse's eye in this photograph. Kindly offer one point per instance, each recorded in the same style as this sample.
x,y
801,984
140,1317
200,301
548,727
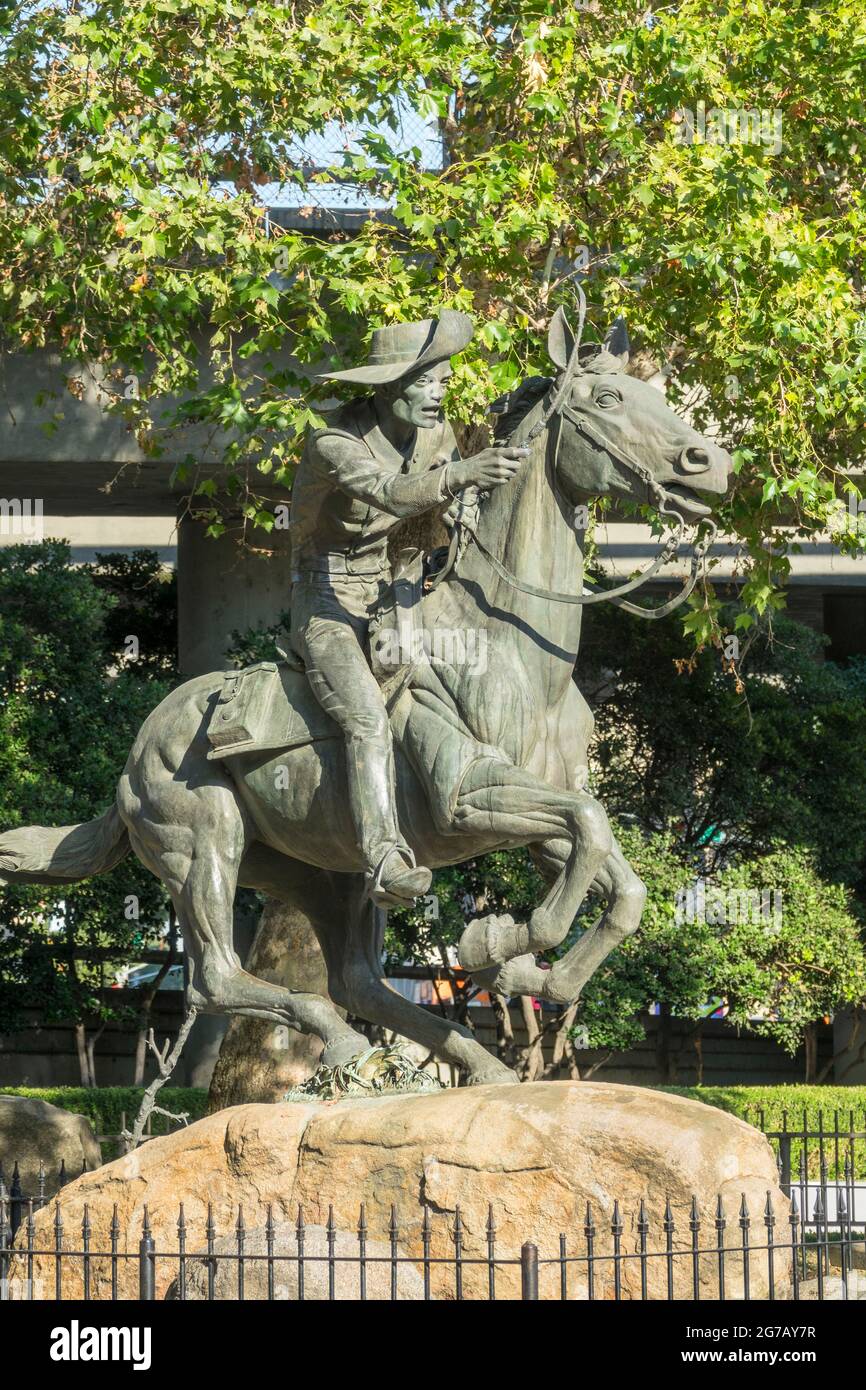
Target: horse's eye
x,y
607,398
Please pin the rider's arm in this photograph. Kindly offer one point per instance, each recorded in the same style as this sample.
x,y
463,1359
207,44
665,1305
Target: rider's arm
x,y
354,471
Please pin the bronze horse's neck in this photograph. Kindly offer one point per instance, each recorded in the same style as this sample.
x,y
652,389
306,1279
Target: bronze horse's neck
x,y
528,526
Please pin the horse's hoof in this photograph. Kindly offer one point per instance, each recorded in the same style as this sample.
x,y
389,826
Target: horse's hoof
x,y
344,1049
500,1075
481,945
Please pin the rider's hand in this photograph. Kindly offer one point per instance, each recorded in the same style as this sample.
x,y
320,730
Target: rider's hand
x,y
489,469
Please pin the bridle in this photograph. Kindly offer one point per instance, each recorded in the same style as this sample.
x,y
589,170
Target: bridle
x,y
556,408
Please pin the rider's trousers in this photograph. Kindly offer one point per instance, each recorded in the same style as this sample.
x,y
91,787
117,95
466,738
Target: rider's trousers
x,y
330,624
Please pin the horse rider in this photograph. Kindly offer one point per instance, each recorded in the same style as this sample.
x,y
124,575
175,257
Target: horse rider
x,y
384,457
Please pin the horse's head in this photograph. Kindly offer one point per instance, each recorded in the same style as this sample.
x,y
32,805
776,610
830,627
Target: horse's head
x,y
613,425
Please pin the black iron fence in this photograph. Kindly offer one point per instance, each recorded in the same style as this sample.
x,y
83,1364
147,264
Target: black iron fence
x,y
810,1246
686,1255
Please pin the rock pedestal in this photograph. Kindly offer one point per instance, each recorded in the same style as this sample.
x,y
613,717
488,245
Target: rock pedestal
x,y
535,1154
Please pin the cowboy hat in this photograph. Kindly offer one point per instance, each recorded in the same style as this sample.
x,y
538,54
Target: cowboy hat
x,y
404,347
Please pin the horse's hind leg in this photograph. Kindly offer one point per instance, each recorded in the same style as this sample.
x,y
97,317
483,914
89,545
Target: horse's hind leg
x,y
350,931
356,952
200,870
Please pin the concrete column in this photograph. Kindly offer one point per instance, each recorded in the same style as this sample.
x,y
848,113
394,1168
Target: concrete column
x,y
224,588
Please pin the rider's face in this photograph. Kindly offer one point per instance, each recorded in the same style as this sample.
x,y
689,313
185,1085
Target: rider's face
x,y
417,400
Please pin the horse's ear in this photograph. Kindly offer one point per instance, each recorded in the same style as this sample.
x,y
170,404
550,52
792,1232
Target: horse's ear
x,y
560,339
617,341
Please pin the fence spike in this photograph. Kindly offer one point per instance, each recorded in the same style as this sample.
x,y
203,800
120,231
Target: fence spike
x,y
240,1227
589,1223
181,1220
616,1220
745,1219
362,1221
62,1175
393,1228
769,1213
642,1219
669,1216
86,1229
41,1182
694,1215
331,1227
269,1223
491,1222
299,1224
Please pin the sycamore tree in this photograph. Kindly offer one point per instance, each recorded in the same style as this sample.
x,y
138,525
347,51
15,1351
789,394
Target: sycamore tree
x,y
699,165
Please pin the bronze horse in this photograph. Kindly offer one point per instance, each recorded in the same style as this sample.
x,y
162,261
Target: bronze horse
x,y
487,758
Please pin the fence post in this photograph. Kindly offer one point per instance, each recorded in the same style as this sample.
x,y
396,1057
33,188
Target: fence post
x,y
529,1271
4,1241
785,1163
146,1264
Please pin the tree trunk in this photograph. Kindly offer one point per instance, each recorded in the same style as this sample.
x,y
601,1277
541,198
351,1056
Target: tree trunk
x,y
260,1061
146,1004
83,1059
810,1038
664,1060
90,1049
532,1064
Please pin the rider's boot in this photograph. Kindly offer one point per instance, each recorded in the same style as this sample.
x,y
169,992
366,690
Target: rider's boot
x,y
393,877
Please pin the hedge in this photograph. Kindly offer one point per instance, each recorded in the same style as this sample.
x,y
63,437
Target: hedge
x,y
104,1106
801,1105
775,1108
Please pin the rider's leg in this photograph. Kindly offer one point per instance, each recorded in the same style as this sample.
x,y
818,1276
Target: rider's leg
x,y
330,639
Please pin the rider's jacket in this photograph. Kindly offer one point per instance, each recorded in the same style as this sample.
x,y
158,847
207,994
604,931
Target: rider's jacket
x,y
352,487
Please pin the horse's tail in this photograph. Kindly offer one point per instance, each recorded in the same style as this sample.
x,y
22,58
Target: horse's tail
x,y
63,853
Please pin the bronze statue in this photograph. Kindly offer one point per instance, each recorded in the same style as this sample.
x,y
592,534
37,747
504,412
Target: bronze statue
x,y
384,457
244,780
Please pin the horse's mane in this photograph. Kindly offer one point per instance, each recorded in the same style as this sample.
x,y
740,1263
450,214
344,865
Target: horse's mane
x,y
515,405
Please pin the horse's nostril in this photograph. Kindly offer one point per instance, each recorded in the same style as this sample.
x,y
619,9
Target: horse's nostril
x,y
694,459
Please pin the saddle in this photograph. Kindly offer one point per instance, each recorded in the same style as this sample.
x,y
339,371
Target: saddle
x,y
269,707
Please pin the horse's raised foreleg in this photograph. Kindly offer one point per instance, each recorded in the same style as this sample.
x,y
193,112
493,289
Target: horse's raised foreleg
x,y
563,983
200,867
508,805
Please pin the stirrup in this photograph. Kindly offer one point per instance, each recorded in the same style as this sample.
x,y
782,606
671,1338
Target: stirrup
x,y
402,887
